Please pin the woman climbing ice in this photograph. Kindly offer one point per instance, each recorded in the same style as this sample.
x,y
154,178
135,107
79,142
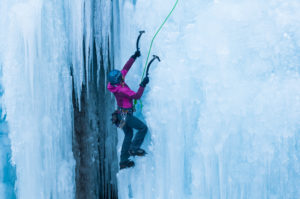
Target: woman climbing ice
x,y
123,116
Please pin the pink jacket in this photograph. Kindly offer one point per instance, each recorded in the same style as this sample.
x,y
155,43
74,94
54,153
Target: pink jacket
x,y
124,95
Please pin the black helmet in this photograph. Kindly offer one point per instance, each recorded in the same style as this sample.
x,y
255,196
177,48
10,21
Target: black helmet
x,y
114,77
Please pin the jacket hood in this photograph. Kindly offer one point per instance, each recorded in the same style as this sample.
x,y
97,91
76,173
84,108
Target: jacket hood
x,y
114,88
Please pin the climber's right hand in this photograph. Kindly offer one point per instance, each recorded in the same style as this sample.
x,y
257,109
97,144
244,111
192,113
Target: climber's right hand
x,y
144,82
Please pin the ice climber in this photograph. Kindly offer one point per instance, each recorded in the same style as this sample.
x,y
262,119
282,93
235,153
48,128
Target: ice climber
x,y
123,116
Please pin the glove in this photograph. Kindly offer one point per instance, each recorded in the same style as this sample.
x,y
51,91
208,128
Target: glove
x,y
144,82
136,54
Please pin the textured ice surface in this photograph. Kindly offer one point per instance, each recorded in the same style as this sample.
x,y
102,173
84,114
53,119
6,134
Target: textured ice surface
x,y
223,106
7,171
43,42
38,95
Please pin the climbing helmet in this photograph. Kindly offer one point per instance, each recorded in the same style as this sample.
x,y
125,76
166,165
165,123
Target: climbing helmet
x,y
114,77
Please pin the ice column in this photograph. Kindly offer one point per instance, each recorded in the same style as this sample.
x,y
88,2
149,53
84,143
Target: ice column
x,y
38,96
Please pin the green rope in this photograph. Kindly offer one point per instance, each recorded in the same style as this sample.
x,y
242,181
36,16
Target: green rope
x,y
145,67
155,37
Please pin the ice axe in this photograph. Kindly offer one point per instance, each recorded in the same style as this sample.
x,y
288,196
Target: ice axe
x,y
147,74
152,60
138,40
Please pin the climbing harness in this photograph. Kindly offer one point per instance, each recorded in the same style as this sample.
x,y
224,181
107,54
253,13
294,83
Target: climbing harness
x,y
119,116
123,119
114,118
146,67
124,112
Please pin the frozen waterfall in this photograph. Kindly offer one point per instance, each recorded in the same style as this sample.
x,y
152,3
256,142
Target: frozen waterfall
x,y
223,106
38,97
56,141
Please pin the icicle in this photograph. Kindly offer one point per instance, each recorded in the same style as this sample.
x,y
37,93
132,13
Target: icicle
x,y
38,104
76,15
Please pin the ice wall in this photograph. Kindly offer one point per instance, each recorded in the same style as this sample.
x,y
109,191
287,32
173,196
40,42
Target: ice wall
x,y
35,55
55,56
7,171
223,106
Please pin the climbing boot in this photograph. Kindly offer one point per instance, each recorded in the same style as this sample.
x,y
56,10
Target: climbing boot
x,y
126,164
138,152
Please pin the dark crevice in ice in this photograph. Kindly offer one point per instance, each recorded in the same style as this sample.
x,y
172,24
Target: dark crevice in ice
x,y
95,139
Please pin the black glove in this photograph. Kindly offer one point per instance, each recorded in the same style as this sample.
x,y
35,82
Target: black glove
x,y
144,82
136,54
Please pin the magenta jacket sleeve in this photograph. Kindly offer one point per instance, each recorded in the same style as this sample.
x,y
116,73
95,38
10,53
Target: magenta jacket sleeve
x,y
127,66
134,95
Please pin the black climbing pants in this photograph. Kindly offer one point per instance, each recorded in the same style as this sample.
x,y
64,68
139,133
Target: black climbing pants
x,y
129,144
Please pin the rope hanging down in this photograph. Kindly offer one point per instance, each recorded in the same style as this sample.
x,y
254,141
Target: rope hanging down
x,y
145,67
159,29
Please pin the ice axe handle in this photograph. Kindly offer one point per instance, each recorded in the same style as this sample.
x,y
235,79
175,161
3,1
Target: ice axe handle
x,y
138,40
152,60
